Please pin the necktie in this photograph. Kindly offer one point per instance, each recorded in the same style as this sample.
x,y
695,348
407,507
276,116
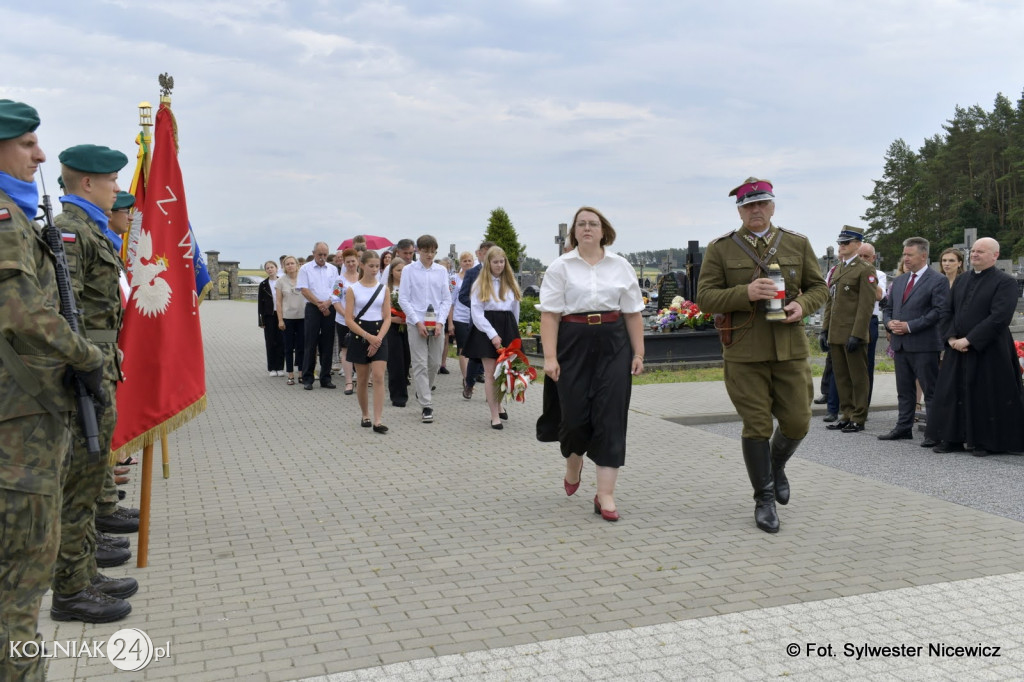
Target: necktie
x,y
910,286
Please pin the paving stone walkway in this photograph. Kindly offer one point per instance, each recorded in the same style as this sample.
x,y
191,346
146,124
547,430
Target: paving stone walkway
x,y
290,543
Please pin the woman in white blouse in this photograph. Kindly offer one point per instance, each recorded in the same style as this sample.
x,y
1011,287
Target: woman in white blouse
x,y
593,339
349,275
494,309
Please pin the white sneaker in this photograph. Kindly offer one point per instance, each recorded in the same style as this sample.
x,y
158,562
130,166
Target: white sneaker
x,y
280,372
271,374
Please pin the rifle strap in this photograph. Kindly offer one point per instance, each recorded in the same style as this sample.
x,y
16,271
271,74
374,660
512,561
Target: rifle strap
x,y
24,378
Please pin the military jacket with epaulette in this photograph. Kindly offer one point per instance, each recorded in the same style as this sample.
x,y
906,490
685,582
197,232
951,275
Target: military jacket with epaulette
x,y
851,302
722,288
96,271
31,320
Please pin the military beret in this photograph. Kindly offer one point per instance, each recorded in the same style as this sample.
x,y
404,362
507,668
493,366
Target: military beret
x,y
850,234
751,190
124,200
91,158
16,119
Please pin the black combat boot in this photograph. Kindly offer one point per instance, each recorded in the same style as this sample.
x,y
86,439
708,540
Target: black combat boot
x,y
118,522
108,557
89,606
112,541
119,588
782,449
757,455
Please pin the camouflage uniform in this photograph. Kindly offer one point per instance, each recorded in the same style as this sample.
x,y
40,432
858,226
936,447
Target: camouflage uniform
x,y
95,272
32,441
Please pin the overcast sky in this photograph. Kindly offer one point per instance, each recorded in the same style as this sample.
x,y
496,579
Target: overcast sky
x,y
309,120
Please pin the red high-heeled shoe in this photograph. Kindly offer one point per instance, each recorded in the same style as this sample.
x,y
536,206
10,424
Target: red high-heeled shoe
x,y
605,514
571,488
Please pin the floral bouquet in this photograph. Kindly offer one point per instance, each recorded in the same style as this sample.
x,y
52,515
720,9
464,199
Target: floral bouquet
x,y
397,316
512,373
681,313
1019,345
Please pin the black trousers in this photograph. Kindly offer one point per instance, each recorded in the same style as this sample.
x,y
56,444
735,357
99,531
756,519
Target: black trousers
x,y
273,337
594,390
319,332
911,368
398,364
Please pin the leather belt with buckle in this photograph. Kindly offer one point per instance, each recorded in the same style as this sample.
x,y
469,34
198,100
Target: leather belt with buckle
x,y
592,318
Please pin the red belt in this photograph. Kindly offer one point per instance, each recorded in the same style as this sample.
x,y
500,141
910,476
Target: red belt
x,y
592,318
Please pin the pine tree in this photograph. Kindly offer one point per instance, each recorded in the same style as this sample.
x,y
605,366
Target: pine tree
x,y
501,232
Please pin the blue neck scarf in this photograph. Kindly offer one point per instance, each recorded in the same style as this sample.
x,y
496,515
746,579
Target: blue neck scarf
x,y
24,194
114,238
94,212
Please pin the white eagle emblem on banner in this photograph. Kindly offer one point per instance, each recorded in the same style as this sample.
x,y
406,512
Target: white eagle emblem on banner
x,y
152,292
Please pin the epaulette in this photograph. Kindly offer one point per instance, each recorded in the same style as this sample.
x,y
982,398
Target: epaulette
x,y
727,235
791,232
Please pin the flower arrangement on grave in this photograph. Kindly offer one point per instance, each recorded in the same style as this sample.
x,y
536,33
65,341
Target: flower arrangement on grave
x,y
512,373
681,313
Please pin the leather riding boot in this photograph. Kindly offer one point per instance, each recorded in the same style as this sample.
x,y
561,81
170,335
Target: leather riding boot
x,y
757,455
782,449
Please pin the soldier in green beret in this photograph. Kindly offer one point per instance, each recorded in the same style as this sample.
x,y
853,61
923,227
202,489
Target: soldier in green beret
x,y
36,347
846,329
80,591
766,368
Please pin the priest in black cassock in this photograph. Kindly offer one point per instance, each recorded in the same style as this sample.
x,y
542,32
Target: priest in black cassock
x,y
978,393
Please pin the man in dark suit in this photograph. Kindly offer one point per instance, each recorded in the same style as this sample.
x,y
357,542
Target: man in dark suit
x,y
912,315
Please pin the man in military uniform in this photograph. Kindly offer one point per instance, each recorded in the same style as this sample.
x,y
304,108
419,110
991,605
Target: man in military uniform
x,y
36,347
845,330
110,548
766,369
80,592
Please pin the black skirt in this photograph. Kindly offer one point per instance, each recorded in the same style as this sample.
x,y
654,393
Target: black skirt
x,y
358,346
504,323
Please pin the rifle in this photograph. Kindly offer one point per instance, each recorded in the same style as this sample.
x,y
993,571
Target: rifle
x,y
86,404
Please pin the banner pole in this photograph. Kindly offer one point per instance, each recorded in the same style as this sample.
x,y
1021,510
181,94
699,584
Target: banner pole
x,y
144,504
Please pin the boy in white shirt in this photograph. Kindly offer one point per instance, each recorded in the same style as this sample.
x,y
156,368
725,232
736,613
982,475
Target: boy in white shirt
x,y
425,285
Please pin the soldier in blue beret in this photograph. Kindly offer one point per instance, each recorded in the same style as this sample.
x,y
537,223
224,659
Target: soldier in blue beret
x,y
36,348
80,591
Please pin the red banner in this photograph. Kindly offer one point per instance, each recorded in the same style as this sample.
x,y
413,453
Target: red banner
x,y
164,369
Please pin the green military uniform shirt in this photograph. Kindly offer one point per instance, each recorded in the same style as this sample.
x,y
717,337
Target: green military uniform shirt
x,y
95,279
722,288
852,302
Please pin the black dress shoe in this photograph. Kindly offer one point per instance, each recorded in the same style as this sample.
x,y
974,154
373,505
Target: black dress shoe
x,y
981,452
948,447
308,387
839,425
108,557
397,404
112,541
118,588
821,400
853,427
897,435
328,385
929,443
830,417
89,606
118,522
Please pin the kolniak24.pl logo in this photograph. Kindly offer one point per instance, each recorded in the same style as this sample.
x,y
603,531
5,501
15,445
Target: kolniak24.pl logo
x,y
128,649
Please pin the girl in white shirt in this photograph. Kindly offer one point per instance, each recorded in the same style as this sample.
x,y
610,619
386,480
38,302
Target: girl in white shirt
x,y
349,275
368,317
494,309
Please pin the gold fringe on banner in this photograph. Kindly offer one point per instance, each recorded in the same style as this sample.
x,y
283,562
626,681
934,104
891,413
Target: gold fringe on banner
x,y
153,434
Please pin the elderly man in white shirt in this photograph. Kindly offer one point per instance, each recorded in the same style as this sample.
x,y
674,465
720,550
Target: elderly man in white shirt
x,y
424,286
316,283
